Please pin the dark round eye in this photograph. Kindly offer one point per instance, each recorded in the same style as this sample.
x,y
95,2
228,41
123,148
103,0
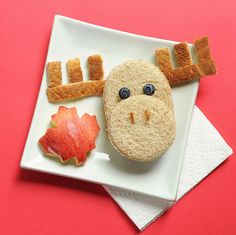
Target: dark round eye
x,y
124,93
149,89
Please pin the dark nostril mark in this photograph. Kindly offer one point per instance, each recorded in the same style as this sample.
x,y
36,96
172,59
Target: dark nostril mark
x,y
132,117
147,115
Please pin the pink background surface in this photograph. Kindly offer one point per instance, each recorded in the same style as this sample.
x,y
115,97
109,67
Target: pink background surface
x,y
35,203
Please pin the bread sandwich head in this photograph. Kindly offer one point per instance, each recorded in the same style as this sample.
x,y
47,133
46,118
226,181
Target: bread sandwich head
x,y
139,111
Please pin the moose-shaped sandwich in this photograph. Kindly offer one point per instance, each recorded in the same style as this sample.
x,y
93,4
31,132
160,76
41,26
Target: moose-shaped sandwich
x,y
137,99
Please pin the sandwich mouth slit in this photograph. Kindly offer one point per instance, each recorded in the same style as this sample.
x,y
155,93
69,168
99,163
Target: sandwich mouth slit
x,y
132,118
147,115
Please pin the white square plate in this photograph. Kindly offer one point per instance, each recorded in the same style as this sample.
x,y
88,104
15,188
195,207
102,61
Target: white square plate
x,y
71,38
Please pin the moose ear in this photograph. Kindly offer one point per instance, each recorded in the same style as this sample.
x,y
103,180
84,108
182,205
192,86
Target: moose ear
x,y
186,70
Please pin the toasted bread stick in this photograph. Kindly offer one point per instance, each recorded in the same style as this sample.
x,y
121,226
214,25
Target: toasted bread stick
x,y
182,54
54,74
163,59
75,90
202,49
74,71
208,67
95,66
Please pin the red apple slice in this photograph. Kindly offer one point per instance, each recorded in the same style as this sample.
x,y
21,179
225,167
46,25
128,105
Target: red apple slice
x,y
70,136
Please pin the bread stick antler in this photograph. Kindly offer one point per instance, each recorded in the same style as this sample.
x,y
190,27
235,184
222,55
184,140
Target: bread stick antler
x,y
186,71
77,88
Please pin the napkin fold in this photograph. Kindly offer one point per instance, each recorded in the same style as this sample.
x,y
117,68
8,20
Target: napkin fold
x,y
205,150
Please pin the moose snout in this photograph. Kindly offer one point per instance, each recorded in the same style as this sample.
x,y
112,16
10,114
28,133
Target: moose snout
x,y
146,115
141,118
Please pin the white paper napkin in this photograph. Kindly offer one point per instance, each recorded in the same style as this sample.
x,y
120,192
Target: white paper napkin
x,y
205,150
